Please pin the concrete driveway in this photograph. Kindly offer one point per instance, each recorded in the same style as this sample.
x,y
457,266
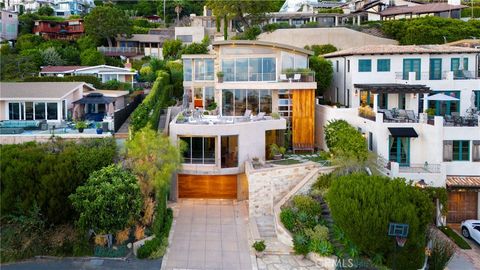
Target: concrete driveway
x,y
209,234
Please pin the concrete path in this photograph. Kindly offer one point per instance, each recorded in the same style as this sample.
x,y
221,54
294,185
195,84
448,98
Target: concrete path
x,y
209,234
465,258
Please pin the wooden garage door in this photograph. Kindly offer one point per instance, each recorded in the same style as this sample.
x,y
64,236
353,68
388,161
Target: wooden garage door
x,y
461,206
207,186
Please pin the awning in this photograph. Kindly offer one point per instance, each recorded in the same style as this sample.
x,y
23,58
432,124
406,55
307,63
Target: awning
x,y
377,88
95,98
403,132
463,181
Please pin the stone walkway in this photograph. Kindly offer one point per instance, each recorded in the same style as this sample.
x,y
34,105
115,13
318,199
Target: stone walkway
x,y
209,234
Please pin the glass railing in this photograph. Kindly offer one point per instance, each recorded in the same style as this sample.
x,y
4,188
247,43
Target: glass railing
x,y
249,77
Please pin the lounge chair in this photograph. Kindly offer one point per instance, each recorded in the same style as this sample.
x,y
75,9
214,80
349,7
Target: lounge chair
x,y
283,77
247,113
296,77
449,121
260,116
389,117
411,116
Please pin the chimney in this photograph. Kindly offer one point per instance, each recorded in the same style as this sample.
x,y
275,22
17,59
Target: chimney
x,y
128,64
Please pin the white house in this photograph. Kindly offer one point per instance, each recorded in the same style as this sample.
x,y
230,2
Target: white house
x,y
104,72
62,8
386,91
249,107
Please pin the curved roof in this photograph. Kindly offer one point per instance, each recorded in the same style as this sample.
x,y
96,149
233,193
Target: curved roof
x,y
262,43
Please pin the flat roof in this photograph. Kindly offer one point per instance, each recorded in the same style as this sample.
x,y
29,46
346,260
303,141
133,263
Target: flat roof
x,y
401,49
37,90
421,9
261,43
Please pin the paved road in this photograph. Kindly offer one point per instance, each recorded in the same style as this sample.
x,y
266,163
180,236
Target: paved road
x,y
84,264
210,234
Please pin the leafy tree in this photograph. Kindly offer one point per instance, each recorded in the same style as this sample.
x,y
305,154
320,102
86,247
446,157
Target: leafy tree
x,y
92,57
363,206
146,7
321,49
86,42
114,61
323,72
28,41
51,57
109,201
251,33
247,12
188,7
107,22
49,173
345,142
26,23
71,55
45,11
172,49
13,66
176,77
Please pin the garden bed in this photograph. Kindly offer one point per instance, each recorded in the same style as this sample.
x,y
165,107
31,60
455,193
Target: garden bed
x,y
461,243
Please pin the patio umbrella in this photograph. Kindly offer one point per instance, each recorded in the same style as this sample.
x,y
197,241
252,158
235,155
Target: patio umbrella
x,y
442,97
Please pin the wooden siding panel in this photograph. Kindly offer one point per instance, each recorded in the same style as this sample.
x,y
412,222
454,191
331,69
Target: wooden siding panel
x,y
207,186
303,118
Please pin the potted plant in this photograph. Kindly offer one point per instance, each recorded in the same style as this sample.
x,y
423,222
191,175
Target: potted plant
x,y
277,152
220,75
275,115
181,118
99,128
212,106
81,125
430,112
259,247
289,72
307,75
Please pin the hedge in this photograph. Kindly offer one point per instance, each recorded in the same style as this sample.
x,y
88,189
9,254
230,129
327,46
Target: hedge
x,y
83,78
362,207
45,174
455,237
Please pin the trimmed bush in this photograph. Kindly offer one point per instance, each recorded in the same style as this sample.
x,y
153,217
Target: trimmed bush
x,y
287,216
49,173
83,78
345,141
362,206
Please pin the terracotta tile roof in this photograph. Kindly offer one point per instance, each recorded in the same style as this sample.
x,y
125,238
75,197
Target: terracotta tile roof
x,y
399,49
421,9
60,68
463,181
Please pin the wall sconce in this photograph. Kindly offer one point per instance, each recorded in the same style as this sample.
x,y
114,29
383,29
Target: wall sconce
x,y
421,184
356,92
414,95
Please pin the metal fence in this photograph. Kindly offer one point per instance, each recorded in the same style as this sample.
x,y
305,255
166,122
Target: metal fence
x,y
121,115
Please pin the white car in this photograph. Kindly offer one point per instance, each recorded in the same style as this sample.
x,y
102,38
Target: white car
x,y
471,229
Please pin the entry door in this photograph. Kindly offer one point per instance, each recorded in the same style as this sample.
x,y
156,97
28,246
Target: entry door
x,y
400,150
462,205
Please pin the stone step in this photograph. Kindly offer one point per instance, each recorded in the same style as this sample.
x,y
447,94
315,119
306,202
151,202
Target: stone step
x,y
266,226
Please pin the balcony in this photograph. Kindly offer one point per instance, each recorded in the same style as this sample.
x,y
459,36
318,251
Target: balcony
x,y
367,113
427,76
306,76
411,171
118,51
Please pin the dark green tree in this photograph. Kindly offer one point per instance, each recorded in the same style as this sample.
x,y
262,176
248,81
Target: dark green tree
x,y
345,141
92,57
109,201
172,49
363,206
107,22
45,11
323,72
248,12
321,49
71,55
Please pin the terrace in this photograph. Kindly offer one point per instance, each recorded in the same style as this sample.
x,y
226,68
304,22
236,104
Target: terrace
x,y
198,117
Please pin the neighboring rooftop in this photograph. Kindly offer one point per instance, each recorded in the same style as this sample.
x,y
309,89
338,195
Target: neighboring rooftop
x,y
463,181
56,69
470,43
399,49
261,43
38,90
421,9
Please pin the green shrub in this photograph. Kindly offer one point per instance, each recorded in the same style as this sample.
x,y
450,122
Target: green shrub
x,y
321,49
287,216
345,142
307,204
318,233
148,248
250,33
362,206
81,78
301,244
323,248
274,26
323,181
50,172
440,253
156,247
455,237
259,246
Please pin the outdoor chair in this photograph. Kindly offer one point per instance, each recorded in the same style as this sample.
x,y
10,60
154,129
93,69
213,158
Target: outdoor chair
x,y
283,77
296,77
389,117
411,116
260,116
457,120
402,114
449,120
247,113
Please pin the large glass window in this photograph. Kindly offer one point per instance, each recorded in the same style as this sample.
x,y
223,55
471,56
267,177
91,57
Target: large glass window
x,y
383,65
187,70
203,69
235,102
458,66
229,151
249,69
461,150
28,110
199,150
52,111
40,113
435,69
209,96
14,111
290,60
477,99
475,150
399,150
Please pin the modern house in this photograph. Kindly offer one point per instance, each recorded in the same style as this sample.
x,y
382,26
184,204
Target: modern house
x,y
238,100
66,30
8,25
104,72
417,106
